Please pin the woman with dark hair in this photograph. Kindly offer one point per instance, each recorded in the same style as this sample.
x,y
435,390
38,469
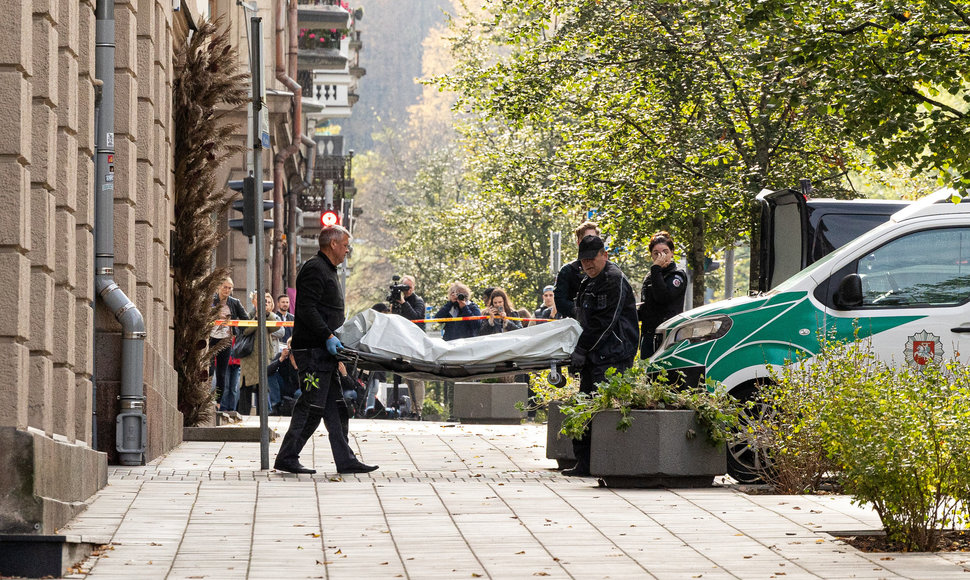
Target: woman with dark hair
x,y
662,294
499,306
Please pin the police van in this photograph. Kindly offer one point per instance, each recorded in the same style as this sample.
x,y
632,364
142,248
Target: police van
x,y
904,284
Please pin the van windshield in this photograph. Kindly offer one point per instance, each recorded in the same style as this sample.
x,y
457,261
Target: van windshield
x,y
797,278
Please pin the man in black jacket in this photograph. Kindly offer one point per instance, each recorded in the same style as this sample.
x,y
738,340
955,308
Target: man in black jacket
x,y
607,311
411,306
571,275
319,311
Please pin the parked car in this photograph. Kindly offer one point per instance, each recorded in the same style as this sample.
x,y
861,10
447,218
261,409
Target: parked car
x,y
905,284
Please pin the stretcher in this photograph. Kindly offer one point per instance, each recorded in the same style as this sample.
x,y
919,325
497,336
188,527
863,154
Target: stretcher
x,y
391,343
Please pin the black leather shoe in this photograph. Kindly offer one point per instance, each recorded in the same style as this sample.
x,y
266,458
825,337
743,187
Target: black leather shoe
x,y
578,471
293,468
357,468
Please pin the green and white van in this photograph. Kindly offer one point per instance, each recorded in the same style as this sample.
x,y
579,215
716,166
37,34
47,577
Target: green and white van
x,y
904,284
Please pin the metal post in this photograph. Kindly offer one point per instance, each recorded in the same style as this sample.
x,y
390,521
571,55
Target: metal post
x,y
256,66
729,273
555,252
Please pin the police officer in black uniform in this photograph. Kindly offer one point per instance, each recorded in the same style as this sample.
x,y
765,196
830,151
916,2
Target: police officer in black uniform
x,y
571,275
662,294
319,311
607,311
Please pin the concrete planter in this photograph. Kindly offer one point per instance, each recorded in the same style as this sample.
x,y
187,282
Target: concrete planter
x,y
492,403
558,446
656,451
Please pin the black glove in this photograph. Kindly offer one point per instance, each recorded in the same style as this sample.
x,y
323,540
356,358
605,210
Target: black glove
x,y
578,358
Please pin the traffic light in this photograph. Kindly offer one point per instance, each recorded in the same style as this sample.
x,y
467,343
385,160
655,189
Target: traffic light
x,y
710,264
308,226
248,224
347,210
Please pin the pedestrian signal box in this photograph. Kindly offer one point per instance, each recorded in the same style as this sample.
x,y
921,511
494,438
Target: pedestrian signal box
x,y
249,223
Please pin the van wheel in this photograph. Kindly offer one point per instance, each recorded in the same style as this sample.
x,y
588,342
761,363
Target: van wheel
x,y
747,461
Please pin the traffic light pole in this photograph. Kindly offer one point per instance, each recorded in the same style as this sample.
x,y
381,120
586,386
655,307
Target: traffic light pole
x,y
256,67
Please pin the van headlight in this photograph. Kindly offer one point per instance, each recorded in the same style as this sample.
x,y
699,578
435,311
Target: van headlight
x,y
698,331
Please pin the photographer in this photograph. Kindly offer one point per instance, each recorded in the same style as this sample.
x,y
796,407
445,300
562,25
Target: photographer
x,y
459,305
499,306
404,301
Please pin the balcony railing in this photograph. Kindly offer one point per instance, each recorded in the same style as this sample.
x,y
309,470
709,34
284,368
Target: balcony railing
x,y
327,14
305,78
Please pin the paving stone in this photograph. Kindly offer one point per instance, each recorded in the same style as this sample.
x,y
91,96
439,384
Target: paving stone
x,y
457,501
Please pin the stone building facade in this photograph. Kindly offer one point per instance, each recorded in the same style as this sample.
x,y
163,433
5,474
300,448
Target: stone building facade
x,y
60,347
52,326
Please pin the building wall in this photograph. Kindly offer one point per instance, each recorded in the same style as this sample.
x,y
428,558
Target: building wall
x,y
47,328
143,204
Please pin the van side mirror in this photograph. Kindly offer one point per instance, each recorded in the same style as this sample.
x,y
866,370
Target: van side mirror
x,y
849,294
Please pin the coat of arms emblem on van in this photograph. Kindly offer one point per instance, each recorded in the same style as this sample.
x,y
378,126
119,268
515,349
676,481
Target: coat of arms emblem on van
x,y
924,347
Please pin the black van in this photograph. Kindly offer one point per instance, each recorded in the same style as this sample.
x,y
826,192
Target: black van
x,y
797,230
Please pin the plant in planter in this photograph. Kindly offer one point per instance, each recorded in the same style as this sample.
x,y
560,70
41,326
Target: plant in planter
x,y
552,398
649,431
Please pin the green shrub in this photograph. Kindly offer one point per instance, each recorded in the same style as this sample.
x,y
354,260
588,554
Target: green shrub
x,y
432,409
900,437
647,388
787,429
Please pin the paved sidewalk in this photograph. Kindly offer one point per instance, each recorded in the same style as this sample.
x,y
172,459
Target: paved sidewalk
x,y
458,501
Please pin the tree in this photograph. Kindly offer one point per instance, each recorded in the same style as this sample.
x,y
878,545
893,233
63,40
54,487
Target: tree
x,y
207,79
458,210
895,72
664,114
483,221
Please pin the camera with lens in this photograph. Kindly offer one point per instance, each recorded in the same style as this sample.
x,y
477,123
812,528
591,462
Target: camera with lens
x,y
462,297
397,289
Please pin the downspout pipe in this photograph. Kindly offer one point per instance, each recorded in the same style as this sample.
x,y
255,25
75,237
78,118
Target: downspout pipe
x,y
294,199
286,17
131,424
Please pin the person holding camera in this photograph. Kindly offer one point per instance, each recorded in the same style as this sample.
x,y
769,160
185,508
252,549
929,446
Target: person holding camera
x,y
458,306
405,302
499,306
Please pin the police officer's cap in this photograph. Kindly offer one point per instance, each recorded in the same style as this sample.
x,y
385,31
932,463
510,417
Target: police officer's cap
x,y
590,247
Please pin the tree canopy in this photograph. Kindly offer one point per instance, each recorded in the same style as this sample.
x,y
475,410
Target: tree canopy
x,y
656,114
663,115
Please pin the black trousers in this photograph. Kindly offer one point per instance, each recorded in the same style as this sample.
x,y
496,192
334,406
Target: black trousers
x,y
316,404
589,375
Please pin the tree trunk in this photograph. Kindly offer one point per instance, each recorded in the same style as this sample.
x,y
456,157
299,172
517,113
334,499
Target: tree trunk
x,y
695,259
754,226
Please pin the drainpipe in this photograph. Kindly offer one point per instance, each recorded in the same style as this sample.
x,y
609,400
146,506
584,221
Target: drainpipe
x,y
294,199
132,429
298,136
